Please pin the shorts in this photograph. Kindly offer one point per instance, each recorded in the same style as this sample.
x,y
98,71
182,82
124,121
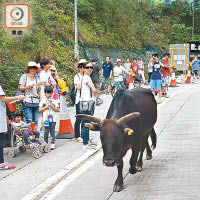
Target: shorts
x,y
165,81
118,83
156,83
106,80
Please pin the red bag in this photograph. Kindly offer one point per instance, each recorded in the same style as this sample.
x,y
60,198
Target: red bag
x,y
129,79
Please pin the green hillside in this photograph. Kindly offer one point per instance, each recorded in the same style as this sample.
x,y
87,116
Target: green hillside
x,y
105,24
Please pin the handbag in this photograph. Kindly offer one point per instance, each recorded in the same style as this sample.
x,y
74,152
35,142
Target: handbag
x,y
20,93
32,103
73,93
86,107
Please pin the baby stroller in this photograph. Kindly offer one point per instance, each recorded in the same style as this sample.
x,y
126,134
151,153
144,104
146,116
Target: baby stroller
x,y
16,137
17,140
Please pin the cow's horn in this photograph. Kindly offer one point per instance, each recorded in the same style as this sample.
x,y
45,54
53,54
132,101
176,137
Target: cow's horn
x,y
128,117
89,117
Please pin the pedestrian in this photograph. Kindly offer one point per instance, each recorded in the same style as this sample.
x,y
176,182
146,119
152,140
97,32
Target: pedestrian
x,y
127,65
87,94
135,70
19,124
150,69
3,126
156,77
49,107
118,72
53,70
45,75
165,74
141,70
106,74
77,82
195,66
29,83
95,75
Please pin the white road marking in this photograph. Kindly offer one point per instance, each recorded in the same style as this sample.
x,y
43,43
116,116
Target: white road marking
x,y
62,185
53,180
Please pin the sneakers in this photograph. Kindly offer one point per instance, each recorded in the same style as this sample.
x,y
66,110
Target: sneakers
x,y
6,166
90,146
79,139
91,143
53,146
166,95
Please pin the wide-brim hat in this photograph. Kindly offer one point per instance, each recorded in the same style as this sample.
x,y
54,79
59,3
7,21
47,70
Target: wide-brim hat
x,y
81,61
32,64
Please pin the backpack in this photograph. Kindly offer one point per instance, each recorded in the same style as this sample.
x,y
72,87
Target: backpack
x,y
73,92
72,95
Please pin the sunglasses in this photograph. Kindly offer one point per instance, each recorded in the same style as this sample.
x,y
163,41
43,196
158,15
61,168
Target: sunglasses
x,y
32,67
88,67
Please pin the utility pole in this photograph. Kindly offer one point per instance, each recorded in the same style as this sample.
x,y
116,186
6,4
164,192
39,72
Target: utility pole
x,y
193,16
76,51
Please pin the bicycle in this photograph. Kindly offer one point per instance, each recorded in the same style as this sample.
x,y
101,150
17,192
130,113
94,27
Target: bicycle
x,y
121,87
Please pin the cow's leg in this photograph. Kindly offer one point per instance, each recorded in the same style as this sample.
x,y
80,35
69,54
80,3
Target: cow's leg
x,y
154,141
149,152
133,161
140,160
118,186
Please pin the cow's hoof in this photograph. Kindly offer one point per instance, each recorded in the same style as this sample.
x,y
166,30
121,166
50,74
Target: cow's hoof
x,y
149,157
139,169
132,170
117,188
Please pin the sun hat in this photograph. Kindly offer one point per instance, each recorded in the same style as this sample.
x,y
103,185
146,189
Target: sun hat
x,y
32,64
81,61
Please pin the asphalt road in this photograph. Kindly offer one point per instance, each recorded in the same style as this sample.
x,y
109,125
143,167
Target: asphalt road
x,y
69,173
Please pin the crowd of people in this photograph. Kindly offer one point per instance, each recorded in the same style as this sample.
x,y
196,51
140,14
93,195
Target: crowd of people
x,y
39,92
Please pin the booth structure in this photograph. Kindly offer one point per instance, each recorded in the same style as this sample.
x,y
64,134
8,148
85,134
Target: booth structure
x,y
182,54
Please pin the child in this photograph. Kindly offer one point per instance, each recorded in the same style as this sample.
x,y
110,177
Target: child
x,y
49,107
3,126
20,125
156,76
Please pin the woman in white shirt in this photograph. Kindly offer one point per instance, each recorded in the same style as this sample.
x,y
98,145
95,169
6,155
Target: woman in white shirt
x,y
87,93
77,82
29,83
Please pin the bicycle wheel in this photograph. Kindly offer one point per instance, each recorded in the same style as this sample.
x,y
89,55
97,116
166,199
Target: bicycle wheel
x,y
136,85
112,90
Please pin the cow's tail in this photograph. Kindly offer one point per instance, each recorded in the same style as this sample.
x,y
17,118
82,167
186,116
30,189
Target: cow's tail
x,y
153,138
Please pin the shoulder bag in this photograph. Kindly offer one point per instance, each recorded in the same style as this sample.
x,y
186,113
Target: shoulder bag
x,y
86,107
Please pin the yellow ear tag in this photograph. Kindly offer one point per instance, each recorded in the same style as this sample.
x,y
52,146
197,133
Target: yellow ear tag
x,y
130,132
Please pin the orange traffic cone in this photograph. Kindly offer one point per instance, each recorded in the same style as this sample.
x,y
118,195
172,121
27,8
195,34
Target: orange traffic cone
x,y
66,130
173,79
188,80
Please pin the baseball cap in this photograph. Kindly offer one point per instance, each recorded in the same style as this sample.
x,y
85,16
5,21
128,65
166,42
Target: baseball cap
x,y
89,64
52,67
119,60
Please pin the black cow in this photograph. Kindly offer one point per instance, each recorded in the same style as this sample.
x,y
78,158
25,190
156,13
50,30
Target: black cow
x,y
129,122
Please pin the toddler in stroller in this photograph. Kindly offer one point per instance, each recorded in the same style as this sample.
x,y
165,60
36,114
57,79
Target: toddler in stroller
x,y
24,136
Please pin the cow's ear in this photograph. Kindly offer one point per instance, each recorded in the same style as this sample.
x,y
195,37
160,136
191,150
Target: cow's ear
x,y
129,131
92,126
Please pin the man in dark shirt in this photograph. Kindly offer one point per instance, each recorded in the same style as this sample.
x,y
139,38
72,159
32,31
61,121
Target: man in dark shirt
x,y
95,73
107,69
